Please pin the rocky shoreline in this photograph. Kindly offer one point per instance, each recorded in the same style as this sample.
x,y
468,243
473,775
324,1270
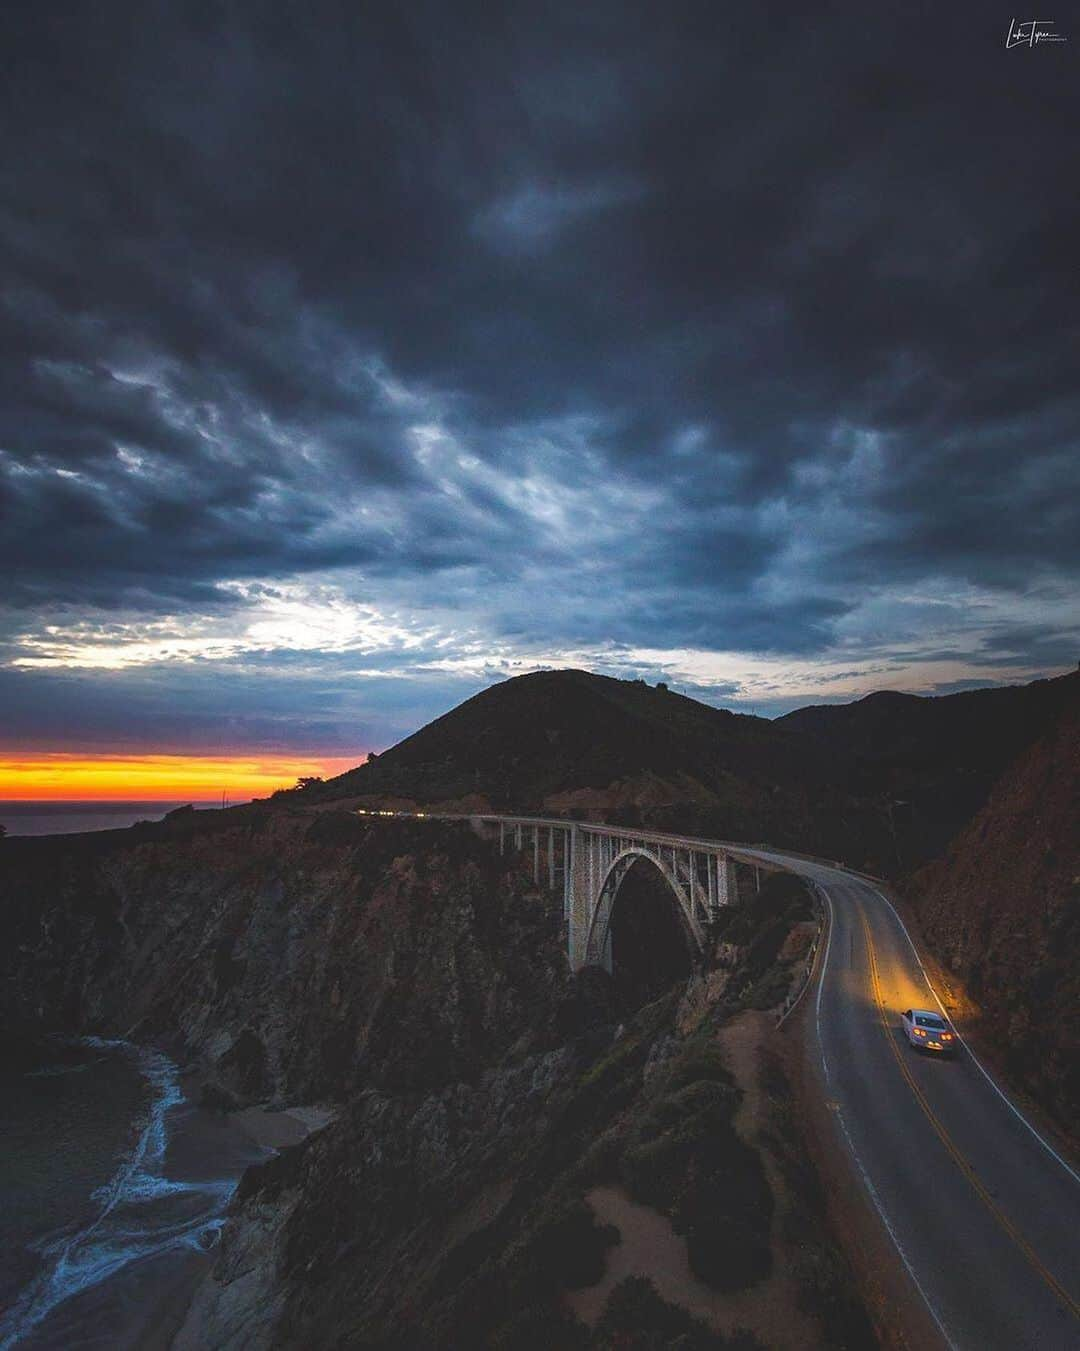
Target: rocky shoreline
x,y
388,1009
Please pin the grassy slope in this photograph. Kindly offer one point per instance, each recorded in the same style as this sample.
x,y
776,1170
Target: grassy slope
x,y
459,1219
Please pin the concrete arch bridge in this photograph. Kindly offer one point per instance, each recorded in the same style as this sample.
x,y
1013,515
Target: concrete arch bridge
x,y
586,865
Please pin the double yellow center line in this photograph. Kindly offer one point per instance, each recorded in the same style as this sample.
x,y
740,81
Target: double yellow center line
x,y
943,1135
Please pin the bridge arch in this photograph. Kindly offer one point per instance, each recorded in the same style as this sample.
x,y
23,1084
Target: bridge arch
x,y
598,945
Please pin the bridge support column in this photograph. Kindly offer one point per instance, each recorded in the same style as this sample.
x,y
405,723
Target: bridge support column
x,y
567,875
722,887
580,905
728,892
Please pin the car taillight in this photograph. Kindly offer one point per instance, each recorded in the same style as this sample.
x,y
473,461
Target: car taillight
x,y
919,1032
946,1036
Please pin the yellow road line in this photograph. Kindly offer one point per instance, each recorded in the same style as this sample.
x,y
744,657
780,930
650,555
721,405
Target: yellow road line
x,y
958,1158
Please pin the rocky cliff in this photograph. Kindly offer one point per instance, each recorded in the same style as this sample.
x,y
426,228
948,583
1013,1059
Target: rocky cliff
x,y
1002,910
487,1104
291,955
467,1215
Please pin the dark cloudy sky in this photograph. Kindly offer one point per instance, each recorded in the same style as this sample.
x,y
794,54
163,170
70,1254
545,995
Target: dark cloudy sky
x,y
356,355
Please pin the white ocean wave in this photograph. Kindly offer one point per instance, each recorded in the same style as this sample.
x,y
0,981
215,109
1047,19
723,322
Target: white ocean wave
x,y
75,1259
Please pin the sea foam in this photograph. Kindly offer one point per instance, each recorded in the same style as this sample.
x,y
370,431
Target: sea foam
x,y
139,1212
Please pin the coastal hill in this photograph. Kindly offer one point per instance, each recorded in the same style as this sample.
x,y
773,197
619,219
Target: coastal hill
x,y
570,743
525,739
934,760
882,783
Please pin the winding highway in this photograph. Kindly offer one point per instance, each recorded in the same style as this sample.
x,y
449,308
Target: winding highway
x,y
983,1213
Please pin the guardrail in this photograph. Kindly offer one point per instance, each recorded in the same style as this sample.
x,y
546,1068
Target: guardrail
x,y
810,961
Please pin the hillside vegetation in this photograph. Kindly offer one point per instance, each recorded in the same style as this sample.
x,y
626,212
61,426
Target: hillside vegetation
x,y
932,761
881,784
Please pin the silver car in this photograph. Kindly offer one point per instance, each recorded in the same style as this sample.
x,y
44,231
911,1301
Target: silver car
x,y
928,1031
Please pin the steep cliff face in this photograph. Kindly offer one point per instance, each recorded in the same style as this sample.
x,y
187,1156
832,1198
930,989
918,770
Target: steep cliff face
x,y
1002,910
292,955
460,1218
484,1098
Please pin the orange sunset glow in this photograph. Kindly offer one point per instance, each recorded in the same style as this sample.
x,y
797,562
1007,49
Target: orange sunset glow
x,y
118,778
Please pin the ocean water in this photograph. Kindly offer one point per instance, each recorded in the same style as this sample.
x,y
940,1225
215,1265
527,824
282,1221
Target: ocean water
x,y
114,1190
71,818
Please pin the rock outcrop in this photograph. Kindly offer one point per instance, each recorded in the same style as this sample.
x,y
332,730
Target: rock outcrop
x,y
290,955
1002,910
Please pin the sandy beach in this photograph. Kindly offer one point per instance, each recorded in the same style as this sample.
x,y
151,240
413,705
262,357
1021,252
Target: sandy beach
x,y
278,1129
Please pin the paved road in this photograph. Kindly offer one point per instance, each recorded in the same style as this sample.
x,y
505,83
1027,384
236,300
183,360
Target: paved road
x,y
986,1219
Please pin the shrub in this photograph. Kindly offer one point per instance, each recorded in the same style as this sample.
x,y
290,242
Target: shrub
x,y
701,1059
725,1214
770,989
686,1159
541,1327
600,1162
636,1318
564,1250
825,1291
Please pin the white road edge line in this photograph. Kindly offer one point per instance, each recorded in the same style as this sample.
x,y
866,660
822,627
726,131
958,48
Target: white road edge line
x,y
871,1189
975,1059
821,979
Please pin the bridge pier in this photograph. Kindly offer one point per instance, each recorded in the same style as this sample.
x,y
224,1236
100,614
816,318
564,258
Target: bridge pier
x,y
580,910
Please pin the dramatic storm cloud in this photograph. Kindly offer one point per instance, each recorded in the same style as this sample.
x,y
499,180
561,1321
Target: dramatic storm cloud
x,y
354,356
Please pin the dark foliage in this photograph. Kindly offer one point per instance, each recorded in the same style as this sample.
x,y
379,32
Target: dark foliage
x,y
686,1159
637,1319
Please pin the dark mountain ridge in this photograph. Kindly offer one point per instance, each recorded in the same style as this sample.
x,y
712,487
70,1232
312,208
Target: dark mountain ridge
x,y
882,783
932,761
535,734
977,729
